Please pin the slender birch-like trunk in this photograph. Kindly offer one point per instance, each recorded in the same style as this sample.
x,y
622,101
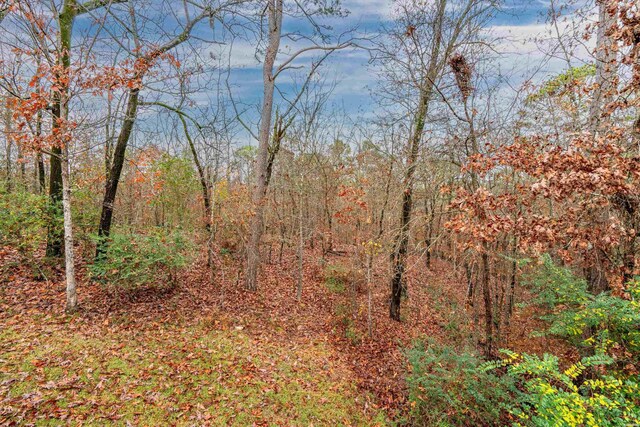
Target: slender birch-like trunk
x,y
72,299
274,11
65,20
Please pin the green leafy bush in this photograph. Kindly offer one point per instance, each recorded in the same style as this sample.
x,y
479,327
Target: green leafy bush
x,y
336,277
139,260
447,388
602,389
550,396
554,285
86,207
23,221
598,390
597,323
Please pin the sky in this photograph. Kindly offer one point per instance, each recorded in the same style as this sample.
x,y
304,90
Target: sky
x,y
517,24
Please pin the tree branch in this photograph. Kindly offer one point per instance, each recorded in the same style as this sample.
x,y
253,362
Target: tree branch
x,y
286,63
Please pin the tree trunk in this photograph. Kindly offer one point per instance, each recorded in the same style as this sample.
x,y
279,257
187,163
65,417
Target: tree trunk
x,y
41,173
383,209
23,168
401,243
72,299
117,164
595,273
7,138
430,216
606,72
512,288
203,179
606,68
260,172
60,180
369,293
398,258
488,304
470,286
55,234
39,159
300,249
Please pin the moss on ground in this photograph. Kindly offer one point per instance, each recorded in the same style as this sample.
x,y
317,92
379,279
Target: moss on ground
x,y
169,375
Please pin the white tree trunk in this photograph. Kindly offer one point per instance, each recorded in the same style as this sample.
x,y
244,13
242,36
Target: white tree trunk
x,y
72,300
260,172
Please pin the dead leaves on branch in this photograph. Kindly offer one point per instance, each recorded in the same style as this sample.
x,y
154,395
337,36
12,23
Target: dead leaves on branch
x,y
554,197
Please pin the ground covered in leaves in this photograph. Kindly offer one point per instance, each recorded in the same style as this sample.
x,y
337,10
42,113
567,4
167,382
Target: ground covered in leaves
x,y
167,374
206,352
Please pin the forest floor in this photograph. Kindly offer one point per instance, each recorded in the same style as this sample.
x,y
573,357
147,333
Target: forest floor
x,y
206,352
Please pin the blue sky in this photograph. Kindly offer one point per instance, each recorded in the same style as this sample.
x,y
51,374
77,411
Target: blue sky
x,y
517,23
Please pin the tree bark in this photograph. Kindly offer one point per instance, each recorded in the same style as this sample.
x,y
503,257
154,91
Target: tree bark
x,y
274,10
429,207
8,146
606,67
39,159
41,173
401,244
300,248
369,293
55,234
60,183
72,299
385,203
488,304
111,187
206,198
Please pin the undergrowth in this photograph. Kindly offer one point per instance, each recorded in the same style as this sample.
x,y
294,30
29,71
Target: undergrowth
x,y
170,375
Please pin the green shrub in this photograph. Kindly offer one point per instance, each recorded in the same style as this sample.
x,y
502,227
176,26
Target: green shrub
x,y
23,221
139,260
595,391
446,388
336,277
597,323
555,285
353,334
86,207
569,398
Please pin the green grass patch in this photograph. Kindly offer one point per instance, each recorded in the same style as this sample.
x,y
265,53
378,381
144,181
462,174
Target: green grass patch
x,y
336,277
53,375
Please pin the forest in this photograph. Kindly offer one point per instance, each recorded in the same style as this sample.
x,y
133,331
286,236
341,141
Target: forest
x,y
320,213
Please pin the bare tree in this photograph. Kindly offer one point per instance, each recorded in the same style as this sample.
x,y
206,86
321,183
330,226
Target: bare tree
x,y
275,11
143,55
415,54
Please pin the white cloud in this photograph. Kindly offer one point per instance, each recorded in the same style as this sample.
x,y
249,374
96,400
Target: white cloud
x,y
362,8
533,51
